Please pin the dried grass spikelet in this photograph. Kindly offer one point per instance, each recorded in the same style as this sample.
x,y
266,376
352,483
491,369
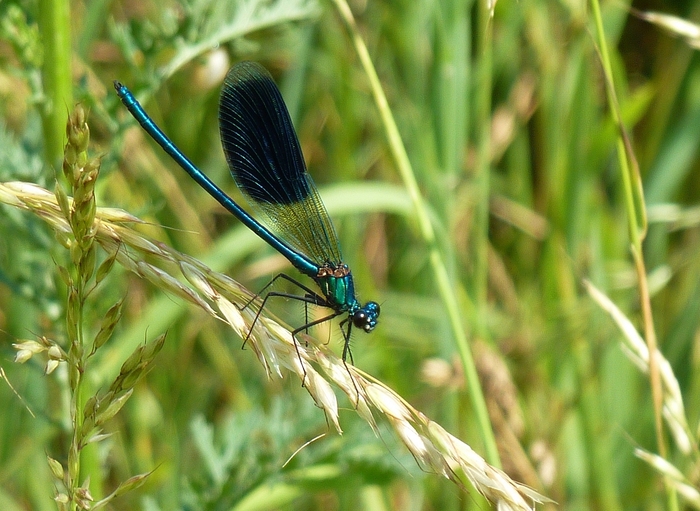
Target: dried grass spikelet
x,y
637,351
677,26
675,477
433,448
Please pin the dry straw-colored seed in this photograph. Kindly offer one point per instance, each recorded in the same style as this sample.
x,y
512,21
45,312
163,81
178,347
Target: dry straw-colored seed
x,y
26,350
636,349
673,475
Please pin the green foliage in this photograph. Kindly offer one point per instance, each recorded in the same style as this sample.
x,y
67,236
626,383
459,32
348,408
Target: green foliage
x,y
514,148
247,451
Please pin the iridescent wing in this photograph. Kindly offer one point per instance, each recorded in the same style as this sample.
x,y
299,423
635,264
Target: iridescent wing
x,y
266,162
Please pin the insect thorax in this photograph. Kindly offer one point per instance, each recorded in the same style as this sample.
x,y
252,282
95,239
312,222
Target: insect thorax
x,y
337,286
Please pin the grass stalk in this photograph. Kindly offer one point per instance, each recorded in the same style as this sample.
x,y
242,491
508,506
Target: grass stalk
x,y
444,284
78,480
55,29
81,174
482,168
634,199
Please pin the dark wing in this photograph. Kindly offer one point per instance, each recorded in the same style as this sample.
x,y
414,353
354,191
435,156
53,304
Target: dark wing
x,y
265,159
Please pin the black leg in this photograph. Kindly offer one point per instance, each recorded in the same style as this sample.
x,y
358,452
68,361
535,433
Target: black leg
x,y
285,277
315,322
311,298
346,339
347,352
306,327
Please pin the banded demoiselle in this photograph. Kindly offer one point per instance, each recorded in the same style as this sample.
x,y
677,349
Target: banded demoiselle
x,y
265,159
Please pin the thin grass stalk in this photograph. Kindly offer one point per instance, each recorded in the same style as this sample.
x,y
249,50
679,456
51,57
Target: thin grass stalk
x,y
636,231
437,263
55,29
482,173
78,482
80,173
634,198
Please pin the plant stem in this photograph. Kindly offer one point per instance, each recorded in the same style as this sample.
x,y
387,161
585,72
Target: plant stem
x,y
442,279
636,232
54,26
482,166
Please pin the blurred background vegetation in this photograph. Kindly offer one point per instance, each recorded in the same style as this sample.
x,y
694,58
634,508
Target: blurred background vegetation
x,y
513,145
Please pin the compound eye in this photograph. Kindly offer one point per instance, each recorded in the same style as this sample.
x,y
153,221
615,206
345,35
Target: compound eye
x,y
359,319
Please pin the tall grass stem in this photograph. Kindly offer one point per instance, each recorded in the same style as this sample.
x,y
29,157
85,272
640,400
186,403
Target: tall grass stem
x,y
55,28
444,284
633,199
